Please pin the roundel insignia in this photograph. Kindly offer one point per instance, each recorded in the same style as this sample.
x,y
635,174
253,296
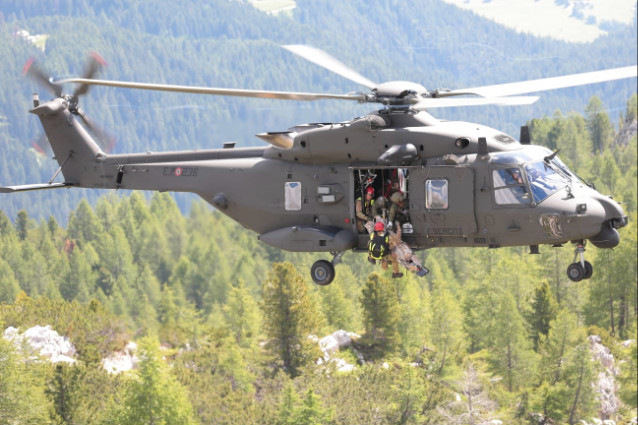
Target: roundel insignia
x,y
178,171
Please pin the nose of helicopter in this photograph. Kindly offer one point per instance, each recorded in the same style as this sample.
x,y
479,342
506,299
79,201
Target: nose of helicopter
x,y
614,218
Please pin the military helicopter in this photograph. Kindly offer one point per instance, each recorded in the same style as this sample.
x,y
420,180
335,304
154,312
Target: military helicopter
x,y
464,184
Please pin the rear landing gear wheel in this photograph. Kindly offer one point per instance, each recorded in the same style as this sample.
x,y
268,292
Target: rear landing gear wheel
x,y
575,272
322,272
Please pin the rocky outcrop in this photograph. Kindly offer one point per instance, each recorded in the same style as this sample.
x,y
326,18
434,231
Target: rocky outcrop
x,y
42,341
606,386
628,130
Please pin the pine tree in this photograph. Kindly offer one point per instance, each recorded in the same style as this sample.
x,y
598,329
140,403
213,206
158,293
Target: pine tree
x,y
544,309
381,315
311,411
79,393
307,412
410,395
289,318
287,406
598,124
337,309
153,396
5,224
23,224
22,399
233,365
551,401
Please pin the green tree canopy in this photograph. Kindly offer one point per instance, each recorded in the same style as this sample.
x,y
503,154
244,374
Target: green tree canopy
x,y
153,396
289,318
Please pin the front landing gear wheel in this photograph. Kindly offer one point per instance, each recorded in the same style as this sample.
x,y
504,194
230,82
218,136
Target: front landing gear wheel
x,y
575,272
322,272
589,270
582,269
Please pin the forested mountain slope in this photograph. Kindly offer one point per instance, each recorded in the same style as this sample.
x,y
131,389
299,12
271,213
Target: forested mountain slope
x,y
500,330
487,335
231,44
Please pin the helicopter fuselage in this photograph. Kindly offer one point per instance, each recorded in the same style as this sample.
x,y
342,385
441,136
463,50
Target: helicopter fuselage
x,y
302,197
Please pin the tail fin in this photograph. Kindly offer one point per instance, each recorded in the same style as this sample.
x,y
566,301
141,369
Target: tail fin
x,y
74,149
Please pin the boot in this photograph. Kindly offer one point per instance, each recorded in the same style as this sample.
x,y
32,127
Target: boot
x,y
422,271
397,275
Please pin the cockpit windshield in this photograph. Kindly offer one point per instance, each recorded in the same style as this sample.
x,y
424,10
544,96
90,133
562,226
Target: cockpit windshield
x,y
544,180
543,176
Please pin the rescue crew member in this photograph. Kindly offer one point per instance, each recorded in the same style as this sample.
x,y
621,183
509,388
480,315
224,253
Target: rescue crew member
x,y
379,250
380,209
364,209
397,215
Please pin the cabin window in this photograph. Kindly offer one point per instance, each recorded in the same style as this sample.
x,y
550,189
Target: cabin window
x,y
436,194
510,187
292,196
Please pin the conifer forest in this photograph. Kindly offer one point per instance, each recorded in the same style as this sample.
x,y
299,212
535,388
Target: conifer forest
x,y
223,329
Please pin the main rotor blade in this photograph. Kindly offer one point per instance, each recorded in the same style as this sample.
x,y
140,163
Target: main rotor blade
x,y
265,94
324,60
94,65
544,84
437,102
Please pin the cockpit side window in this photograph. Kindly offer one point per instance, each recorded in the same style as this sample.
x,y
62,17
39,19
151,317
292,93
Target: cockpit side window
x,y
509,186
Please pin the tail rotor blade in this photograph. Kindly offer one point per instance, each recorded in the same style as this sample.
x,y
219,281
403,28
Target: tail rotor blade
x,y
32,71
104,139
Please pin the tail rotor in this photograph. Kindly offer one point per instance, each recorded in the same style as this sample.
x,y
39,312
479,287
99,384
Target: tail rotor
x,y
93,67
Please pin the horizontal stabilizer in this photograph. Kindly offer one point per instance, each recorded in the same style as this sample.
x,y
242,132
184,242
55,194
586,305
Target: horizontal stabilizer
x,y
39,186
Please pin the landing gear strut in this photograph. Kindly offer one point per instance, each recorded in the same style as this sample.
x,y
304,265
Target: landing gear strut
x,y
323,271
581,269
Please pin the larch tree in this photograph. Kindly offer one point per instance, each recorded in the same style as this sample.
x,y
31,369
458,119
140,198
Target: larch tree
x,y
473,405
9,286
241,314
580,374
446,324
564,334
413,325
510,355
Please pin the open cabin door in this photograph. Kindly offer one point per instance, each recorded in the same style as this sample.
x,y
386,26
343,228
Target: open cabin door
x,y
442,201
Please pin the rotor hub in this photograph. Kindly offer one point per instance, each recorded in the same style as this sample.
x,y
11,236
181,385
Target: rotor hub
x,y
399,93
